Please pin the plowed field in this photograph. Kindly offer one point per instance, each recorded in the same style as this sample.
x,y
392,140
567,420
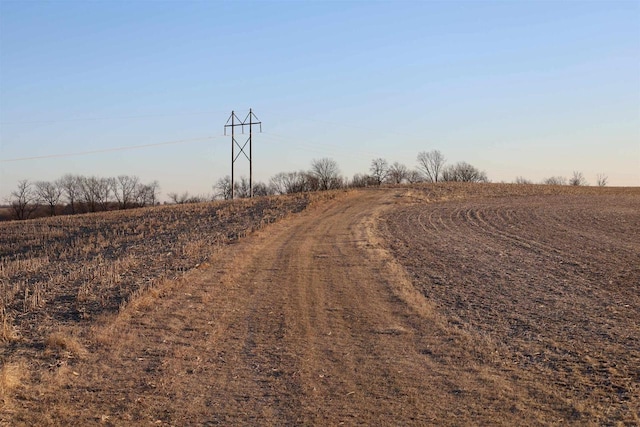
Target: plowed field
x,y
435,305
548,286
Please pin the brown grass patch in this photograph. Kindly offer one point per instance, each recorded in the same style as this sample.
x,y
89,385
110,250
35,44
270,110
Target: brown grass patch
x,y
11,376
7,330
66,345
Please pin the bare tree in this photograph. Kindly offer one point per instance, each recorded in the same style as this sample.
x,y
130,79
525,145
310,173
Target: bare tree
x,y
309,182
147,194
379,170
431,164
89,189
179,199
577,179
414,176
84,194
173,197
448,174
96,192
48,193
72,189
242,189
469,173
261,189
602,180
463,172
362,180
522,180
293,182
153,192
222,189
327,172
278,183
199,198
397,173
124,190
23,200
555,180
103,191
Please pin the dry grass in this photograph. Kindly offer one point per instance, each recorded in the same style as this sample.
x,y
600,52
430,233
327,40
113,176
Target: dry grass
x,y
11,379
60,276
7,331
76,267
64,344
11,376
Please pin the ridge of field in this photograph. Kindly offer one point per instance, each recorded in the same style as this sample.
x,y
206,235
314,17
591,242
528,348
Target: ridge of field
x,y
443,304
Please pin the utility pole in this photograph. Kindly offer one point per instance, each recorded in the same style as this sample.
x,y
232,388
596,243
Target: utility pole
x,y
248,121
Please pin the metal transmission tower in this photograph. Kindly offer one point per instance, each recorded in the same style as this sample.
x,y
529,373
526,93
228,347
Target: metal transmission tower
x,y
235,122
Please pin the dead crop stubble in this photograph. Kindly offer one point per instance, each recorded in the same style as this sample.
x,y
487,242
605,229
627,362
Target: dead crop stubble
x,y
546,280
62,272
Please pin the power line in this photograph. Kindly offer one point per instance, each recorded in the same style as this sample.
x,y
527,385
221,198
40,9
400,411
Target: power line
x,y
90,119
107,150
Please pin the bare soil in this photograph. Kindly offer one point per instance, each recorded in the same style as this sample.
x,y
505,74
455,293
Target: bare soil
x,y
437,305
548,285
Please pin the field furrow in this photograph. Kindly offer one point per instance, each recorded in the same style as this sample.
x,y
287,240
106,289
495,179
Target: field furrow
x,y
551,280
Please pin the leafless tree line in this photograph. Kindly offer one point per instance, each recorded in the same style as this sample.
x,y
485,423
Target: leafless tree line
x,y
73,194
577,179
324,174
431,167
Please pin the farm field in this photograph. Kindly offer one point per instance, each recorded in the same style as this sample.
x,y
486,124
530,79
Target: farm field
x,y
69,269
442,304
548,286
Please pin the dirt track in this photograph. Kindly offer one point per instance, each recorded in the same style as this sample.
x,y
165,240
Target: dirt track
x,y
310,322
293,325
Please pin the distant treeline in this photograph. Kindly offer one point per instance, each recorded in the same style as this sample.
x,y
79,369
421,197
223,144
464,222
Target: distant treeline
x,y
74,194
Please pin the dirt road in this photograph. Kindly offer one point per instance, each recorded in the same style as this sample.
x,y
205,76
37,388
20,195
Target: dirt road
x,y
298,324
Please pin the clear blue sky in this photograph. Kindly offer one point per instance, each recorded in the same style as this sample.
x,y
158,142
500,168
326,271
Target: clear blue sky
x,y
529,89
